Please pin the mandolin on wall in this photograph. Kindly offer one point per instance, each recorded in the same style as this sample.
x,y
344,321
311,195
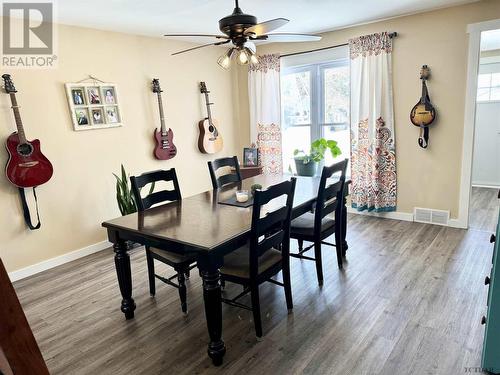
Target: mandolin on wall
x,y
423,113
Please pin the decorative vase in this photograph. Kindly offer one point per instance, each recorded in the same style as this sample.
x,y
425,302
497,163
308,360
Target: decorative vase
x,y
308,169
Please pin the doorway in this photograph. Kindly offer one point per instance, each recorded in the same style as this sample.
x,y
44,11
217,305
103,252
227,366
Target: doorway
x,y
485,171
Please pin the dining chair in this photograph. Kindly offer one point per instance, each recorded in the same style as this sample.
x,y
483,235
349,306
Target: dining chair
x,y
267,251
181,263
316,226
224,179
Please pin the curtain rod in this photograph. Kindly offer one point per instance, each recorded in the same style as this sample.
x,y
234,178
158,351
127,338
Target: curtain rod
x,y
391,35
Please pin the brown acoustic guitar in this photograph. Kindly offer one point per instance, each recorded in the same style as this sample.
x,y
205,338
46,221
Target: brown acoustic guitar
x,y
423,113
165,148
209,140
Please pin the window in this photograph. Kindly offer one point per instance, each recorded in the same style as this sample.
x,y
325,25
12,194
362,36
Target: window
x,y
488,87
315,104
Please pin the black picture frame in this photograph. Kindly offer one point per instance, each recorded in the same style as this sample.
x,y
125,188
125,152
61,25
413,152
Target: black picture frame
x,y
250,157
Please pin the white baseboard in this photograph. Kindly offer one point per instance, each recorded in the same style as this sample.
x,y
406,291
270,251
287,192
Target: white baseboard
x,y
404,216
57,261
395,215
456,223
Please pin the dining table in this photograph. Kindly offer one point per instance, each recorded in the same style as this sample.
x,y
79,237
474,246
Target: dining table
x,y
201,225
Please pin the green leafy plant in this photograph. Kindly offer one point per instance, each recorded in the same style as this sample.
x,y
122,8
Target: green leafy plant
x,y
255,187
124,195
317,151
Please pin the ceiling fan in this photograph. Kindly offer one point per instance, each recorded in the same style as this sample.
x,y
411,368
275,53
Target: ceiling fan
x,y
241,30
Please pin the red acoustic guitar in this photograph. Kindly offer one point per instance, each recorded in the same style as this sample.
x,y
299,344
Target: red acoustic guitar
x,y
165,148
27,166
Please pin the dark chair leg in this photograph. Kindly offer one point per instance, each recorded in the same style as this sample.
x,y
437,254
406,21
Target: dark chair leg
x,y
182,290
256,310
187,273
339,247
287,286
151,272
319,265
301,244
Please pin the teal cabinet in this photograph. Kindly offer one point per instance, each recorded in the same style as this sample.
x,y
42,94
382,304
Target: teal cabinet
x,y
491,348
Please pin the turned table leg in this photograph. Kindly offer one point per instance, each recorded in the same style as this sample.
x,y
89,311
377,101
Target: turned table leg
x,y
122,264
213,313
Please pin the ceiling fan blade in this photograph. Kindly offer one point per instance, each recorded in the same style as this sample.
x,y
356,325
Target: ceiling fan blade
x,y
202,46
267,26
288,37
198,35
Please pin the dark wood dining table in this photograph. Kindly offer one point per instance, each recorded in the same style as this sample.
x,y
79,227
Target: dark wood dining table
x,y
199,224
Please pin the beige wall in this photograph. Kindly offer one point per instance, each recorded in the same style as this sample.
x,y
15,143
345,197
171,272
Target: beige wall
x,y
81,193
426,178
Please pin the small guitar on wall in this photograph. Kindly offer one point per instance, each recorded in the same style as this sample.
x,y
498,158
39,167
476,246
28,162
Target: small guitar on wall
x,y
165,148
26,167
210,140
423,113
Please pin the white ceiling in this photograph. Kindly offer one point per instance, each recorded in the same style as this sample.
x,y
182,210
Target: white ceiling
x,y
156,17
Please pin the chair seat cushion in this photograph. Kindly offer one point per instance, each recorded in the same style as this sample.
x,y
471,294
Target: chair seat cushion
x,y
172,258
237,263
304,225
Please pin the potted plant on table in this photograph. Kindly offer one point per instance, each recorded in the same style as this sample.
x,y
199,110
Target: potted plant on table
x,y
307,163
125,197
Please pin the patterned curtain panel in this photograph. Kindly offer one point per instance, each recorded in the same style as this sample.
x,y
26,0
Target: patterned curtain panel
x,y
373,155
265,111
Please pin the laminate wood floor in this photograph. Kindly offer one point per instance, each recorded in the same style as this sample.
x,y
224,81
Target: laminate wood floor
x,y
408,302
484,208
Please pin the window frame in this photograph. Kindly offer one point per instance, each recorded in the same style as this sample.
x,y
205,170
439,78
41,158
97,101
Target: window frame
x,y
317,90
489,88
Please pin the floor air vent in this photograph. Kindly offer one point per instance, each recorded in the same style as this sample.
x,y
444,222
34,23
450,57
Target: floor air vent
x,y
430,216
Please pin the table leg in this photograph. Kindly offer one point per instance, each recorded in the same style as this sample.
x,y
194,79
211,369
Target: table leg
x,y
122,264
344,227
213,313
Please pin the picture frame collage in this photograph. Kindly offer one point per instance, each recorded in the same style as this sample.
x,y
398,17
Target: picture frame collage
x,y
94,105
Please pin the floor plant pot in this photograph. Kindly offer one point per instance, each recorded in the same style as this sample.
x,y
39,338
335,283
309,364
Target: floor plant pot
x,y
308,169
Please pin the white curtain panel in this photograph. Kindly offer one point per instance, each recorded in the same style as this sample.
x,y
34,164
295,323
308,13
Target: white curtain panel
x,y
265,111
373,154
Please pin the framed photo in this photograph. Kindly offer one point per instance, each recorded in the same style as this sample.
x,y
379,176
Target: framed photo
x,y
250,157
94,105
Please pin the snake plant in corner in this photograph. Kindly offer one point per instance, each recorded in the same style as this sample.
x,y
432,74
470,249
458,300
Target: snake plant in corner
x,y
124,195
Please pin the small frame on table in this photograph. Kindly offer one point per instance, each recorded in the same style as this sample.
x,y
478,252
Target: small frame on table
x,y
250,157
94,105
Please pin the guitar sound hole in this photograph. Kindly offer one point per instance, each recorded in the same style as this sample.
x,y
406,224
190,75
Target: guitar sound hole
x,y
25,149
211,129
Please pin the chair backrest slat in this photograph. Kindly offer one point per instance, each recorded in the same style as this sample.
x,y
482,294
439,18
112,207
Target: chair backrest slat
x,y
272,230
267,223
213,166
138,182
272,241
330,196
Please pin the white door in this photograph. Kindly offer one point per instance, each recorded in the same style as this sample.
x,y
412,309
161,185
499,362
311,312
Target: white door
x,y
486,160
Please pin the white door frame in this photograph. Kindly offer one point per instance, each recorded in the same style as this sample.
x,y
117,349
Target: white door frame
x,y
474,30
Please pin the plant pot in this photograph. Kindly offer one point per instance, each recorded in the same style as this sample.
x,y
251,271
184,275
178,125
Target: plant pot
x,y
308,169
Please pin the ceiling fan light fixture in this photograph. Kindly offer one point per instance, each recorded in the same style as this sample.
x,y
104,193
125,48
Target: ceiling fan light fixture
x,y
243,57
254,59
225,60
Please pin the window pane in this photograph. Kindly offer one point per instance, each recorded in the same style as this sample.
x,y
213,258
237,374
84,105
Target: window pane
x,y
296,98
483,94
336,94
484,80
495,93
495,80
296,137
343,138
